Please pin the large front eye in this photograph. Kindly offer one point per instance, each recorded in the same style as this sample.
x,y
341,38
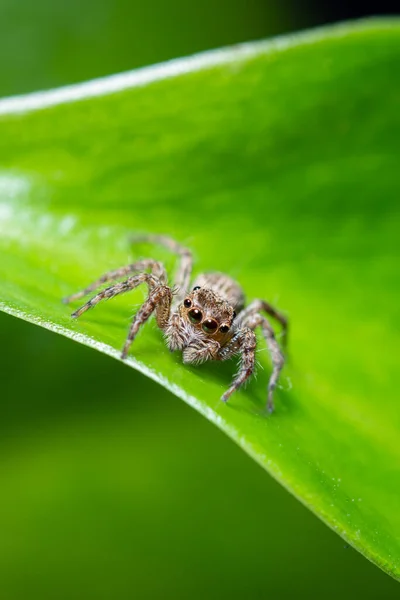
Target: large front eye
x,y
210,326
195,315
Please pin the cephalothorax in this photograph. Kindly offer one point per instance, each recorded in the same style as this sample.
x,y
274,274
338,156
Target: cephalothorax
x,y
206,321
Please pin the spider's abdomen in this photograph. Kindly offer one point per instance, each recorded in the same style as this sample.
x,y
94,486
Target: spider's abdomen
x,y
224,286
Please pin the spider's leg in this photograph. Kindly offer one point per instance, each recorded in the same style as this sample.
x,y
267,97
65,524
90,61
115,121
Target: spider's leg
x,y
275,351
200,351
256,307
243,343
159,299
116,289
154,266
184,272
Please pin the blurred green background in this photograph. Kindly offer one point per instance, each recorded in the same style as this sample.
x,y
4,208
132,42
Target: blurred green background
x,y
45,43
110,486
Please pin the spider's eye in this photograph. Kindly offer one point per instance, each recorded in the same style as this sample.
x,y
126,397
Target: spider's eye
x,y
195,315
224,328
196,287
210,326
234,314
187,303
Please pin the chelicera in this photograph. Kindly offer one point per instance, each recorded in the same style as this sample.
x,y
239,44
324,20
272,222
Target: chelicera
x,y
206,321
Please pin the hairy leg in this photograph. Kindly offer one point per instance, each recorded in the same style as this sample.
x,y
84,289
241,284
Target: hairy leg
x,y
201,351
159,299
243,343
255,308
276,354
182,278
156,268
116,289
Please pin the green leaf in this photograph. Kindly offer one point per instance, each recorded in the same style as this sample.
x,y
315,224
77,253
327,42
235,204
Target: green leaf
x,y
276,163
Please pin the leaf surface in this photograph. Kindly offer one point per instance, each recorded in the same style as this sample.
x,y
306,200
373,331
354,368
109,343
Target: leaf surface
x,y
276,163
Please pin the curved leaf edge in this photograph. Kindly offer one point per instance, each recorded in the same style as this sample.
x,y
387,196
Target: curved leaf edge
x,y
209,59
145,76
210,415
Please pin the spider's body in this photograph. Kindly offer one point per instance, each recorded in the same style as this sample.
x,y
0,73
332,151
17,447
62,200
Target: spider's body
x,y
216,303
209,322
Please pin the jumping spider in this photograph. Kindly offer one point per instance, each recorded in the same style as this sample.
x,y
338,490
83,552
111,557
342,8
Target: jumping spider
x,y
207,323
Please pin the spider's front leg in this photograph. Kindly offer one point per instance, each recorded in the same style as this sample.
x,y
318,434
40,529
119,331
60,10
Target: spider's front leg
x,y
278,360
201,351
156,268
159,300
245,316
243,343
115,290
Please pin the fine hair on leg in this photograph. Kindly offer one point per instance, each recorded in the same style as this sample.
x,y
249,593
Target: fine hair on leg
x,y
118,288
255,307
275,352
159,299
155,267
243,343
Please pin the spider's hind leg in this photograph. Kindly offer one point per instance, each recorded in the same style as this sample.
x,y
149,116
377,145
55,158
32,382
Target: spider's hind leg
x,y
184,271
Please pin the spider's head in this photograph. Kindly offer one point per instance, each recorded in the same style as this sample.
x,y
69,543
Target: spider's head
x,y
208,315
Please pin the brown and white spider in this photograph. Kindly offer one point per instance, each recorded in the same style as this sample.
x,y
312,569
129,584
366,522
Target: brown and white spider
x,y
209,322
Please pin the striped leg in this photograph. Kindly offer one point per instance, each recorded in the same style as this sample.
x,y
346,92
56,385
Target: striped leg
x,y
159,300
182,278
118,288
255,308
243,343
276,354
156,268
